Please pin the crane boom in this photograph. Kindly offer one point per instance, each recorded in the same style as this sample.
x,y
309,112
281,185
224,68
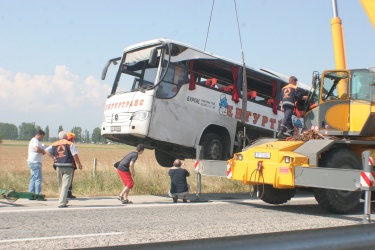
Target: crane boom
x,y
338,39
369,6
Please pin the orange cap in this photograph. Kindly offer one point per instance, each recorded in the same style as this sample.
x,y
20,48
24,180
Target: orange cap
x,y
70,136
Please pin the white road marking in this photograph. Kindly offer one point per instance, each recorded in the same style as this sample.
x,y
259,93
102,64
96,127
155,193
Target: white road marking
x,y
61,237
140,205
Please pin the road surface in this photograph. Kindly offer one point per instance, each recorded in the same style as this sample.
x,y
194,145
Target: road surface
x,y
104,221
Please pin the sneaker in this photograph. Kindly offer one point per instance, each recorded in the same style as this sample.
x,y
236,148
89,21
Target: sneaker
x,y
120,198
71,196
184,200
175,198
126,201
62,206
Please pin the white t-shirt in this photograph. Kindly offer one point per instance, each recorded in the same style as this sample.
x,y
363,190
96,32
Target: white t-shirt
x,y
33,156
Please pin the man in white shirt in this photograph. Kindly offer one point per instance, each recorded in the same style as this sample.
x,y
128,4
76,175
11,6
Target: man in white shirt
x,y
34,161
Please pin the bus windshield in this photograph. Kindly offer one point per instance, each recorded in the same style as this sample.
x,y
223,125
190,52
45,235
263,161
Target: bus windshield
x,y
135,72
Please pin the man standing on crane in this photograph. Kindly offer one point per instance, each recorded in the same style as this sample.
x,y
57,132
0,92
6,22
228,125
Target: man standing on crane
x,y
290,94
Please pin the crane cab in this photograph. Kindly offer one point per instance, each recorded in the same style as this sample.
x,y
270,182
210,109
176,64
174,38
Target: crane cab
x,y
343,103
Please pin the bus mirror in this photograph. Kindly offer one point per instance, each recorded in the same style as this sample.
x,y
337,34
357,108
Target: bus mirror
x,y
153,57
314,82
105,69
315,78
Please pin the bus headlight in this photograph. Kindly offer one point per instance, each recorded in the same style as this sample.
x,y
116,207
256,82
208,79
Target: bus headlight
x,y
140,115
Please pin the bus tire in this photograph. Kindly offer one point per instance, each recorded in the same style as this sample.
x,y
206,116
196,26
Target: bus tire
x,y
275,196
164,159
213,148
338,201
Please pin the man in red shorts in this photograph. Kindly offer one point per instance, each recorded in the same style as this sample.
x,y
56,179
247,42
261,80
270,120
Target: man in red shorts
x,y
126,172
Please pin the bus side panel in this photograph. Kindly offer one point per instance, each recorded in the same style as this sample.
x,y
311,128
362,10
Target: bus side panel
x,y
182,119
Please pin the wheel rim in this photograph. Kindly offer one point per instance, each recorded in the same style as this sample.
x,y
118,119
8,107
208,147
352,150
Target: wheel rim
x,y
215,150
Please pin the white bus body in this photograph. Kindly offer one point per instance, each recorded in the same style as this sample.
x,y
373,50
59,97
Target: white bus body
x,y
182,97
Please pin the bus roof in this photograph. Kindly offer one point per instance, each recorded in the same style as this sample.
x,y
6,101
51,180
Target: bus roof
x,y
265,72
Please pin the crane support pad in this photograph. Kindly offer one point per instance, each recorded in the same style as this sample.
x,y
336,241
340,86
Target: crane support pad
x,y
331,178
213,168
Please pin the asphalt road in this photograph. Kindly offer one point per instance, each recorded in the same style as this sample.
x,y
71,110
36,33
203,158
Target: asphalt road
x,y
104,221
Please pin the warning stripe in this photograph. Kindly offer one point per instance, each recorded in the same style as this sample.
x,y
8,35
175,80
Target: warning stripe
x,y
370,161
367,179
196,166
229,171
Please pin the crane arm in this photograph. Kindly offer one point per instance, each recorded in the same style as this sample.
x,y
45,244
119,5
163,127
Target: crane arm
x,y
369,6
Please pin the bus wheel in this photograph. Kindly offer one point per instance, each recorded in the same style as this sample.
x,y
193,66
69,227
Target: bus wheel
x,y
338,201
275,196
164,159
212,147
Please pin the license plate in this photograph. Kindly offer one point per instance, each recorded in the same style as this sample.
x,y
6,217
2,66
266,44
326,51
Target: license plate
x,y
116,129
262,155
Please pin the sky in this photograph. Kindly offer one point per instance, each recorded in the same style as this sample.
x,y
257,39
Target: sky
x,y
52,53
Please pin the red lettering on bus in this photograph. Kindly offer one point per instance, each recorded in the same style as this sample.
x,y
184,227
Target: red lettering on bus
x,y
256,118
141,102
238,113
229,111
248,114
272,121
264,120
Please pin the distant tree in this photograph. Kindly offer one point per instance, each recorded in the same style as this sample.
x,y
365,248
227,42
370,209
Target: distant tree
x,y
60,129
96,136
27,131
1,138
46,137
78,132
87,136
8,131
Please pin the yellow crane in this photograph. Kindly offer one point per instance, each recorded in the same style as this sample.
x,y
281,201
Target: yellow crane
x,y
340,117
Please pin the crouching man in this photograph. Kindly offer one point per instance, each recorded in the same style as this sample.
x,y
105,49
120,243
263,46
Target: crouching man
x,y
179,186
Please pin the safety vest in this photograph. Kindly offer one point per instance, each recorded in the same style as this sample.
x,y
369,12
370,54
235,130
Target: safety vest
x,y
289,95
61,151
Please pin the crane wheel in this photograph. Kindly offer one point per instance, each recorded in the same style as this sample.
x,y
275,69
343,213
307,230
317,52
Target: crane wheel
x,y
275,196
338,201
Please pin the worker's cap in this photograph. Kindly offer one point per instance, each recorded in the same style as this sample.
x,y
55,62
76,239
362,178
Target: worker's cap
x,y
70,136
293,78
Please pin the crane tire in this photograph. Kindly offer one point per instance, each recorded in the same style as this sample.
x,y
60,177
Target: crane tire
x,y
338,201
275,196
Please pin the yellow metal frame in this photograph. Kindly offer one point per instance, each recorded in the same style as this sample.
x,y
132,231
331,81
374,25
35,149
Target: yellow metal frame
x,y
274,171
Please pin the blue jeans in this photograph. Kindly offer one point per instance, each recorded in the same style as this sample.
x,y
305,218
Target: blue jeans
x,y
287,123
35,185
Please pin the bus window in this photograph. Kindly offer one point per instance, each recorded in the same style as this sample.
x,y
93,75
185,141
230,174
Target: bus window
x,y
173,79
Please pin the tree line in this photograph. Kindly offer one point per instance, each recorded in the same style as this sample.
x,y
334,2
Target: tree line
x,y
28,130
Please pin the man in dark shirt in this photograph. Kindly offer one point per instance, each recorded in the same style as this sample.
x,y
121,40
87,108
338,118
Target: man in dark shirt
x,y
290,94
179,186
126,172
